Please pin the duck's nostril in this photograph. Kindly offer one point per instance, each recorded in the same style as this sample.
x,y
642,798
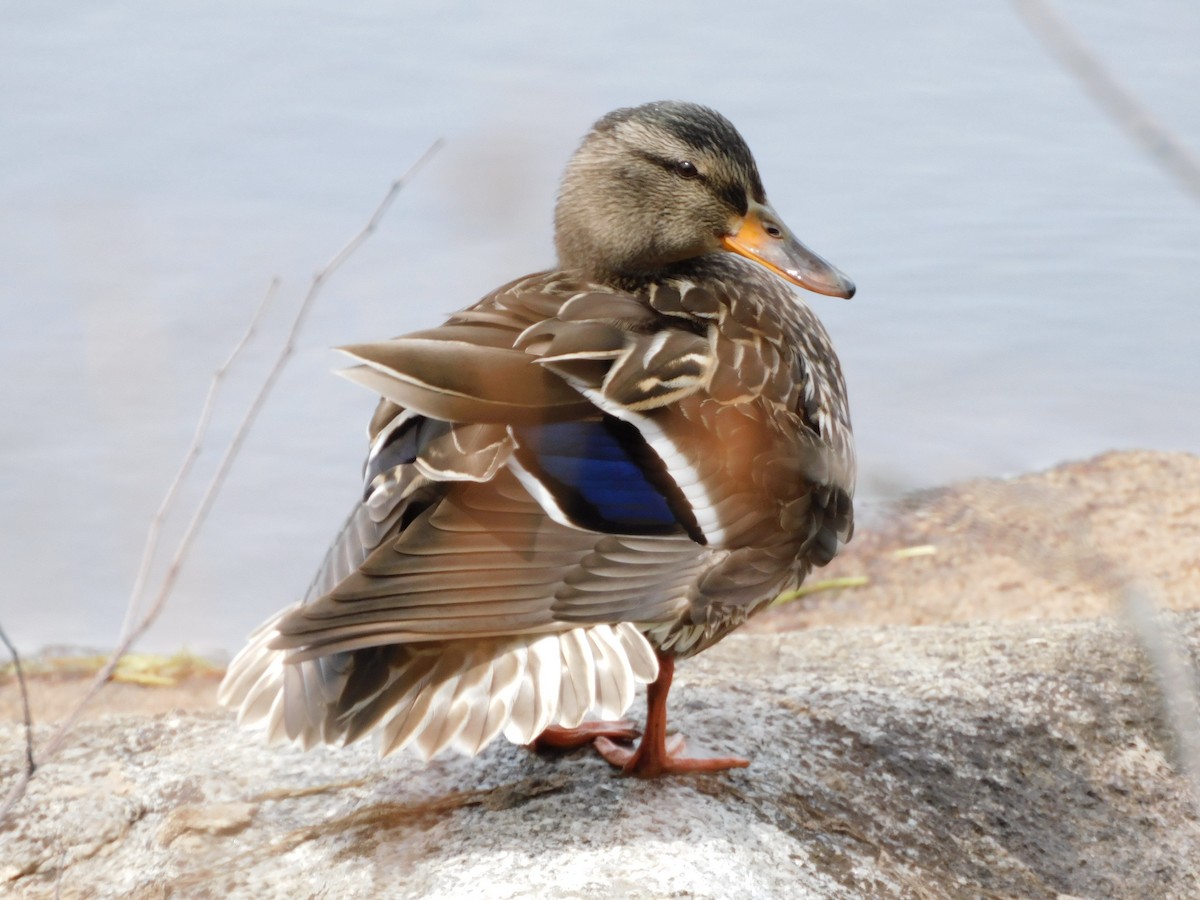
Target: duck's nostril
x,y
772,229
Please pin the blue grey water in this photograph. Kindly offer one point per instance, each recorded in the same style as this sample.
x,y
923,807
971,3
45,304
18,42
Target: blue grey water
x,y
1029,281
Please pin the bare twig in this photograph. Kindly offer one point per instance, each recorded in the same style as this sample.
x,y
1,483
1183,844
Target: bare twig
x,y
1064,550
30,766
150,548
1119,103
1176,678
131,634
1175,673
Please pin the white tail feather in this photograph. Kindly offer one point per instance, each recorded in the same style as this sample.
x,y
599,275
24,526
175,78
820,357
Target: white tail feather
x,y
536,703
578,693
460,694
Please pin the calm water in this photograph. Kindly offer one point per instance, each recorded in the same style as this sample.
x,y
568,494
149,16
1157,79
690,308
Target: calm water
x,y
1028,280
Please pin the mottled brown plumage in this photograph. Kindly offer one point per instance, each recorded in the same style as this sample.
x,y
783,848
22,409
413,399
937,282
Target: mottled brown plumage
x,y
590,472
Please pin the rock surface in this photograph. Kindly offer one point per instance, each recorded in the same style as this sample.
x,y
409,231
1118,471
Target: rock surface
x,y
1022,759
1022,548
1018,755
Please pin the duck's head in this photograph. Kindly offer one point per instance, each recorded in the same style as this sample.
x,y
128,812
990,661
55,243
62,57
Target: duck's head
x,y
658,184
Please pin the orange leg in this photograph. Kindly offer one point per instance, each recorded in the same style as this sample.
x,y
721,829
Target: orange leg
x,y
558,738
655,755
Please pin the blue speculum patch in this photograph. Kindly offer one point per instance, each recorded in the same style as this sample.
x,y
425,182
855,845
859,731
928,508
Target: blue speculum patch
x,y
603,475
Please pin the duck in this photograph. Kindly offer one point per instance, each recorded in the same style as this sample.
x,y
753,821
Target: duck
x,y
594,472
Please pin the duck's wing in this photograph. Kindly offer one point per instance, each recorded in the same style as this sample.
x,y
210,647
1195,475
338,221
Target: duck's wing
x,y
493,365
483,559
609,438
501,499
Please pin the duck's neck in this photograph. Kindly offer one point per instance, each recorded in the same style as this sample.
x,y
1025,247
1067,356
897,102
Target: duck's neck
x,y
638,283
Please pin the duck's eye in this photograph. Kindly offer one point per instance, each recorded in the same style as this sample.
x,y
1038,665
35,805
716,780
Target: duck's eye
x,y
685,168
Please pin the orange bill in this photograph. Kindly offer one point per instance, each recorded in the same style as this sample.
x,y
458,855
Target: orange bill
x,y
761,236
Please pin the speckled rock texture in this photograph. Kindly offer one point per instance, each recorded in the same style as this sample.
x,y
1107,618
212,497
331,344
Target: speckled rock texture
x,y
974,721
1022,759
1047,545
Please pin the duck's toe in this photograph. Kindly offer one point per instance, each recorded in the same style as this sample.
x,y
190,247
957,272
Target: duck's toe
x,y
557,738
649,760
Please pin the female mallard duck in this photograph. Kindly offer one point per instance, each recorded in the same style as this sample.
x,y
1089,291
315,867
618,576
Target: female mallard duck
x,y
589,473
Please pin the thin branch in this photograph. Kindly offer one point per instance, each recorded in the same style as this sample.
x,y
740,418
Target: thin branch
x,y
1063,550
128,631
30,765
1175,673
367,230
218,478
150,548
1176,677
1121,105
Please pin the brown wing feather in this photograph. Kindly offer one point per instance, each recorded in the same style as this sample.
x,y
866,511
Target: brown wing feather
x,y
484,561
483,557
460,382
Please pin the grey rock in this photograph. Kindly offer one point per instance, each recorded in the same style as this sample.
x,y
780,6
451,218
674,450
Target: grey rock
x,y
1021,759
